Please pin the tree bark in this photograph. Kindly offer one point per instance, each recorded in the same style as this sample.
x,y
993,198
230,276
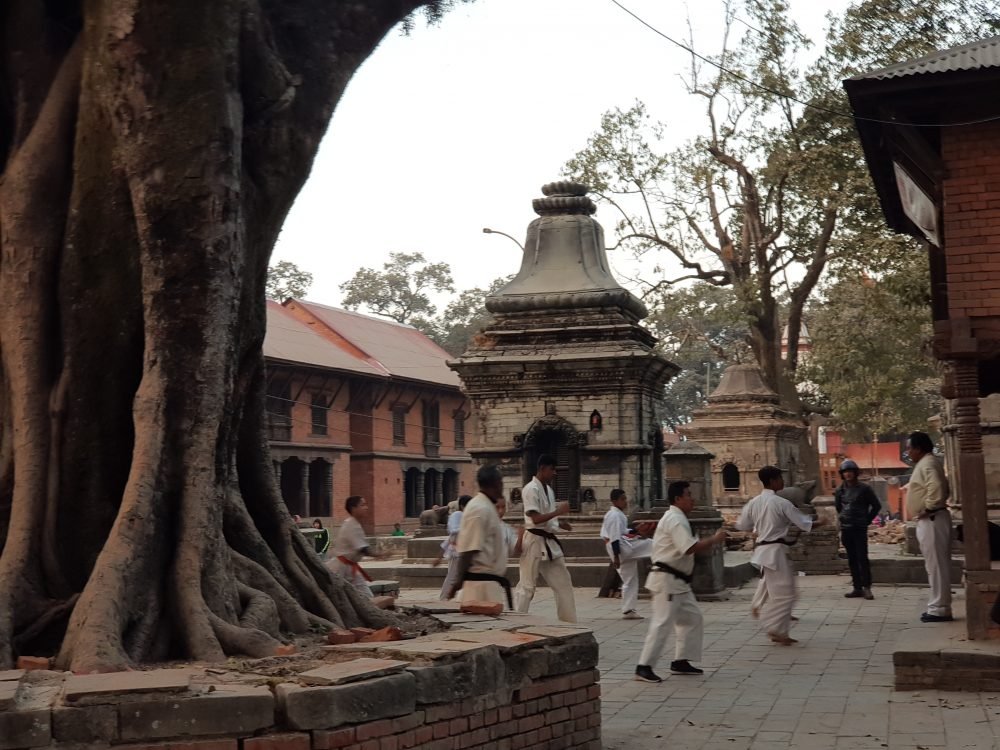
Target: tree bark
x,y
149,153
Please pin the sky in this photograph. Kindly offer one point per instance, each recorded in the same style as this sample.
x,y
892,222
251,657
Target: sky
x,y
456,127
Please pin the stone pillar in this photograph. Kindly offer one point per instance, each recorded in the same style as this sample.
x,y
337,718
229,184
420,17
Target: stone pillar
x,y
690,462
304,494
420,492
439,488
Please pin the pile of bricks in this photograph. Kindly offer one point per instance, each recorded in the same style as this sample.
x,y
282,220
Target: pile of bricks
x,y
504,687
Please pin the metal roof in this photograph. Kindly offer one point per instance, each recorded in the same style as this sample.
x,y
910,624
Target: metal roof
x,y
402,350
984,53
289,340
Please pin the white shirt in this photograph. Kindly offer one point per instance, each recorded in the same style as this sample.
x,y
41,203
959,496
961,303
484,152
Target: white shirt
x,y
537,497
482,530
771,516
615,525
448,545
350,540
671,541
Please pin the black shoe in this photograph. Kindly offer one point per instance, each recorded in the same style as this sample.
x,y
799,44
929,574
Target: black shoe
x,y
646,674
928,617
856,594
868,594
684,667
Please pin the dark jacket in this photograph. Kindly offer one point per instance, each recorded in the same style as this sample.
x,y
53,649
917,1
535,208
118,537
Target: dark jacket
x,y
856,506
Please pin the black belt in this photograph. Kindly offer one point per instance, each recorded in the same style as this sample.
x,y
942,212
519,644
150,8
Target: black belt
x,y
547,535
664,568
778,541
470,576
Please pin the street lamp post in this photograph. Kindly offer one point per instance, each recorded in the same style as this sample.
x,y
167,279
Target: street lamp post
x,y
487,230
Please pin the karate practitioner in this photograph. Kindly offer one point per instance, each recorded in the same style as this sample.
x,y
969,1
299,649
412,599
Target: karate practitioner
x,y
482,544
674,548
625,551
351,545
926,500
541,551
770,517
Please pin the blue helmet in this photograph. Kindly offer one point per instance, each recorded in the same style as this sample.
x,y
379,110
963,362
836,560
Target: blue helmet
x,y
849,465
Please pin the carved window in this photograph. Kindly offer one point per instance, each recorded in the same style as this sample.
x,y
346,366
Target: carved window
x,y
432,426
279,410
730,478
399,425
320,409
459,430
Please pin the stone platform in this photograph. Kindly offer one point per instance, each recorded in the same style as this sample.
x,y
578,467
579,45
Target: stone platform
x,y
488,683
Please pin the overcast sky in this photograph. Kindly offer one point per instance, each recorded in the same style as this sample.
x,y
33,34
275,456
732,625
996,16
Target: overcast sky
x,y
456,127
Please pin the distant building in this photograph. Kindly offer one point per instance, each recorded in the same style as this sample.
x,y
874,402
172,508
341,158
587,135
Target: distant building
x,y
358,405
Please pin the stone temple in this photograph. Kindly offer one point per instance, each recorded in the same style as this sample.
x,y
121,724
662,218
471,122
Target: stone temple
x,y
566,367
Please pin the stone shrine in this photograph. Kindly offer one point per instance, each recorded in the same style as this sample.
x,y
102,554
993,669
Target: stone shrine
x,y
566,368
745,427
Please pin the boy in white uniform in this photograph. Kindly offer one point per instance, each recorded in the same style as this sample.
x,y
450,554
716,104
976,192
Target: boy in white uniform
x,y
770,517
351,545
674,604
625,551
540,550
448,549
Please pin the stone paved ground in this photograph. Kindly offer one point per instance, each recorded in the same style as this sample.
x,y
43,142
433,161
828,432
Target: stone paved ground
x,y
831,691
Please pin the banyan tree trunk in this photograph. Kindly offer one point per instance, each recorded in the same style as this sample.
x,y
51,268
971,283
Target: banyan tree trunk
x,y
149,152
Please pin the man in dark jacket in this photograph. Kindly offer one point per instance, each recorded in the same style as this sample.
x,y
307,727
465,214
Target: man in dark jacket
x,y
857,507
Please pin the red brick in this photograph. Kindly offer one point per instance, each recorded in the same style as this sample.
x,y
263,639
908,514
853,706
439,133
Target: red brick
x,y
457,726
408,722
223,744
441,729
583,679
383,635
557,715
389,743
594,691
287,741
529,723
444,711
333,740
490,717
504,713
285,649
362,632
482,608
407,740
424,734
337,637
374,729
29,663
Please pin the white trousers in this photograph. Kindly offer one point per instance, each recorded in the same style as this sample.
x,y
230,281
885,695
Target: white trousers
x,y
352,576
777,589
934,537
759,596
681,612
451,578
554,573
631,552
483,591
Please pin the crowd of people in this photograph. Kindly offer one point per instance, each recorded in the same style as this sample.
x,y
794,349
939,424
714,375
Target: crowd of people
x,y
479,543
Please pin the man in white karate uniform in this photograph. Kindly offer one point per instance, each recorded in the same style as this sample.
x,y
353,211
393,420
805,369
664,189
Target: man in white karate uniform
x,y
625,551
674,604
927,502
351,545
541,551
771,517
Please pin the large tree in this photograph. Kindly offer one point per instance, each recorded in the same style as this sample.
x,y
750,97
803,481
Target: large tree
x,y
771,193
285,280
149,152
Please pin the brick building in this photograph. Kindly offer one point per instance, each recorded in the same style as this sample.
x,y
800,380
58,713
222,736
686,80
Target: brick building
x,y
361,406
931,137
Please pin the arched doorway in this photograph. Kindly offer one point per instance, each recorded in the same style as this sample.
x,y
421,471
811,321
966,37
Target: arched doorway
x,y
730,478
432,488
412,495
320,488
558,438
292,490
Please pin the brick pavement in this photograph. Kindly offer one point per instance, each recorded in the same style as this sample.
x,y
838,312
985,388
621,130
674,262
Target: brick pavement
x,y
831,691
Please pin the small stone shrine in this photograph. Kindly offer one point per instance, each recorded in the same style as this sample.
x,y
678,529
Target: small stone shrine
x,y
566,368
745,427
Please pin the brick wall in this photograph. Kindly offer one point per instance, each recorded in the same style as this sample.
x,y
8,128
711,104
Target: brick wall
x,y
527,687
972,218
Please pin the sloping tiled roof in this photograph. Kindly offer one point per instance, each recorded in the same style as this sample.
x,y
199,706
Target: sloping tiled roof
x,y
402,350
289,340
984,53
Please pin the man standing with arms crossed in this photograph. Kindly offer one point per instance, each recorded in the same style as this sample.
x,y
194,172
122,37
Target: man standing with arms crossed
x,y
674,548
541,551
926,501
771,517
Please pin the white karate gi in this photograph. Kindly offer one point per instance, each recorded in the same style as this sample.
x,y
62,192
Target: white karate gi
x,y
772,517
674,603
482,531
540,555
349,542
631,550
927,492
450,554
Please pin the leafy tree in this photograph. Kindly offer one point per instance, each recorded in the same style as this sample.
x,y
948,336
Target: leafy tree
x,y
401,290
772,193
149,153
285,280
465,316
871,359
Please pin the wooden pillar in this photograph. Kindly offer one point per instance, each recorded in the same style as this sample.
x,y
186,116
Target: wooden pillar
x,y
969,484
304,496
